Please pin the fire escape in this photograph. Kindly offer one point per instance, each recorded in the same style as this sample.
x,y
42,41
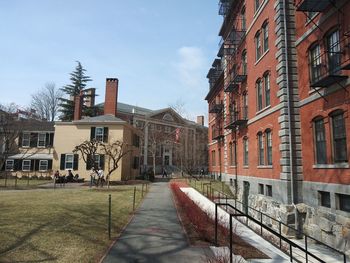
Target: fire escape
x,y
329,64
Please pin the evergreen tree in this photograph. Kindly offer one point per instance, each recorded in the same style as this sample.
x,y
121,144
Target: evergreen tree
x,y
78,84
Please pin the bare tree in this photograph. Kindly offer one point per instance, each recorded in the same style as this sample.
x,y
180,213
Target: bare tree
x,y
46,102
112,152
179,107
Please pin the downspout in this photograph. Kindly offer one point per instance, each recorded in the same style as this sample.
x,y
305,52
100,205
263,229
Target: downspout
x,y
293,197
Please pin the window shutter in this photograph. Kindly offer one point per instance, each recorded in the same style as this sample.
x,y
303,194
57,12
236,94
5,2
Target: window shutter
x,y
49,165
51,138
102,161
33,165
105,134
92,133
88,162
18,165
33,139
63,161
20,136
75,162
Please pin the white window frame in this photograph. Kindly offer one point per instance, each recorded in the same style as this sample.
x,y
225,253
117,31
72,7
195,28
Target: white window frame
x,y
23,165
7,164
40,141
41,164
99,136
26,139
66,162
97,159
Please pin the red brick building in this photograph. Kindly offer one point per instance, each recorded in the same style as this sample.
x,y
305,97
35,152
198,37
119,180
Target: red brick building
x,y
278,108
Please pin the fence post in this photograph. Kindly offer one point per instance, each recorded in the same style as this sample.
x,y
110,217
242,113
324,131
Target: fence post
x,y
216,224
109,215
231,239
307,254
133,205
5,179
280,230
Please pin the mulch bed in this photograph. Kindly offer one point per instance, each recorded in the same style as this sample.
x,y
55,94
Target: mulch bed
x,y
200,228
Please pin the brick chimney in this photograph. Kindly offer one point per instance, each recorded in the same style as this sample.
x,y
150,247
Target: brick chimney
x,y
200,120
90,99
78,106
111,98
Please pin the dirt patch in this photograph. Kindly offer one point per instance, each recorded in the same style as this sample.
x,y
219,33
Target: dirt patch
x,y
200,228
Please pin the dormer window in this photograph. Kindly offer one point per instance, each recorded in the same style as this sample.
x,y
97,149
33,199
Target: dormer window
x,y
26,139
41,140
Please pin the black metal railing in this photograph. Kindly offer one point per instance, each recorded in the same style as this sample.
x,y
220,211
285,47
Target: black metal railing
x,y
216,107
237,117
312,5
275,231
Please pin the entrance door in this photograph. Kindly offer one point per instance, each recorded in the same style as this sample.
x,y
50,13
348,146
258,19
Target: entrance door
x,y
246,186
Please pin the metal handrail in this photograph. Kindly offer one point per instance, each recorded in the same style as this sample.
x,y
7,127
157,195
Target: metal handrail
x,y
279,222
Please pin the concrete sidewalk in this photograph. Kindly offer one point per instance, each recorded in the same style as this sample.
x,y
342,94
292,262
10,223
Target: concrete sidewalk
x,y
155,233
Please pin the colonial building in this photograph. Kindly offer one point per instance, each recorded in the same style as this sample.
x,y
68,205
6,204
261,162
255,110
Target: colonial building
x,y
278,108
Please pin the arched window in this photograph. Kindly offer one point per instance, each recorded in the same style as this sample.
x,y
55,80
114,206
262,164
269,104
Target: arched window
x,y
320,141
268,137
265,31
315,62
259,95
267,88
243,20
256,5
257,45
333,50
261,149
339,137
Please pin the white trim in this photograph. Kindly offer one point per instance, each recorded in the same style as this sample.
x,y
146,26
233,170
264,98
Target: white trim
x,y
6,164
25,146
65,161
41,146
331,166
40,164
30,165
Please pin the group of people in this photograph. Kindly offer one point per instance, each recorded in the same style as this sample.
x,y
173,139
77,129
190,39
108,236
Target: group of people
x,y
62,179
97,177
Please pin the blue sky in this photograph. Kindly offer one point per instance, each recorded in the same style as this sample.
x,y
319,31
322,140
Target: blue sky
x,y
160,50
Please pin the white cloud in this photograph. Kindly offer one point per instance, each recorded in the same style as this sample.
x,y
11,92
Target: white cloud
x,y
190,67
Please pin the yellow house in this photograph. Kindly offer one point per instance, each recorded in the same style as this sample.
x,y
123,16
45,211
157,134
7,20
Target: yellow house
x,y
106,128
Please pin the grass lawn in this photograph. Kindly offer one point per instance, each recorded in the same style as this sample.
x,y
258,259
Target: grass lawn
x,y
62,225
217,185
21,183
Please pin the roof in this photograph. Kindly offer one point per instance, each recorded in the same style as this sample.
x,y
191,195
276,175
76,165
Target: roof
x,y
29,156
127,108
100,118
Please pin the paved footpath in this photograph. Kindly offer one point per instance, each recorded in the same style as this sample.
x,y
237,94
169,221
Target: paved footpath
x,y
155,233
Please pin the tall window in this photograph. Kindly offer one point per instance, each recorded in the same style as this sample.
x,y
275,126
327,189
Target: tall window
x,y
243,20
245,151
320,142
265,29
232,153
69,161
41,140
244,63
245,106
268,137
9,165
334,55
213,157
267,89
339,138
261,149
315,63
99,134
43,165
26,139
257,45
26,165
259,95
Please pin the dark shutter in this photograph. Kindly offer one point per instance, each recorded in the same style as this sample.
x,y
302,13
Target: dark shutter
x,y
47,139
51,139
49,165
92,133
102,161
105,134
75,162
33,139
88,162
20,138
36,165
63,161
